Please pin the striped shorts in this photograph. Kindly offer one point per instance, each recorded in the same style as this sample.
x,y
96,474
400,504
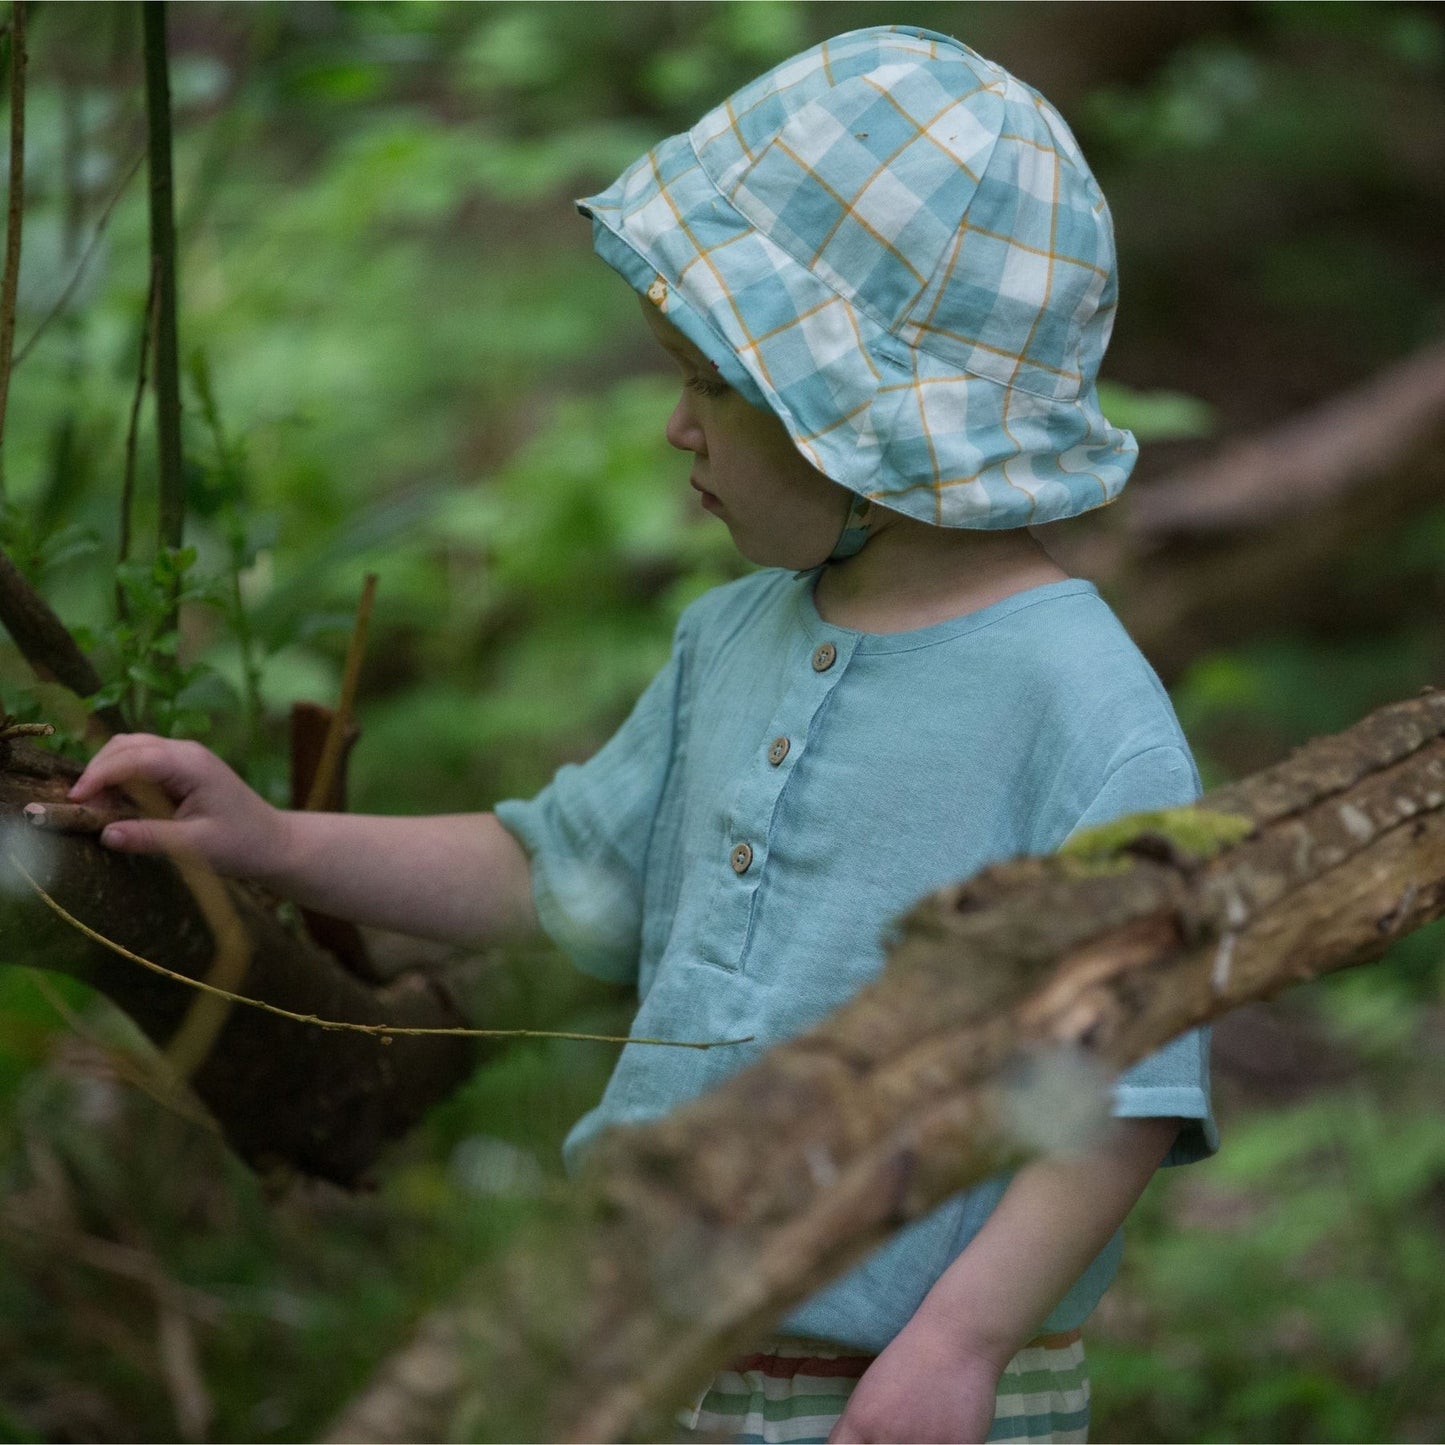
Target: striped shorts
x,y
794,1390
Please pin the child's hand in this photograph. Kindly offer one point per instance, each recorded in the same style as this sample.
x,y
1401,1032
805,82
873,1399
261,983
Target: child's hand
x,y
920,1388
217,816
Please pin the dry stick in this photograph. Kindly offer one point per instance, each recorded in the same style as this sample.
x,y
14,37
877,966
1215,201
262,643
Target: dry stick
x,y
340,937
70,817
384,1031
336,733
187,1048
63,300
10,285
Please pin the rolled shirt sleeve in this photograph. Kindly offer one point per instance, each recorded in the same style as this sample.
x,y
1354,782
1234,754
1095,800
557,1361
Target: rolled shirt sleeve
x,y
1174,1081
587,833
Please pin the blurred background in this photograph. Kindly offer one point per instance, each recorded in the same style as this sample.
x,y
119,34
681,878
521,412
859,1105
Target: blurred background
x,y
400,356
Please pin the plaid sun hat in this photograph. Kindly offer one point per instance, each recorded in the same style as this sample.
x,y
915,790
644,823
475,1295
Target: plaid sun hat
x,y
897,247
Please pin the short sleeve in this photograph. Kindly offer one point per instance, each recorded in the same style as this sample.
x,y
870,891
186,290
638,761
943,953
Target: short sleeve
x,y
1173,1082
587,832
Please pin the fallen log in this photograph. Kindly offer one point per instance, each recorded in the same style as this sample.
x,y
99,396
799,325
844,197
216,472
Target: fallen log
x,y
688,1237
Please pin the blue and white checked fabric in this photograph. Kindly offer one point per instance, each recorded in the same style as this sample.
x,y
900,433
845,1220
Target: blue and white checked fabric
x,y
897,247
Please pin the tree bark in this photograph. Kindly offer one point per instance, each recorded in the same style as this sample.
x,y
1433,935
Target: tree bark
x,y
688,1237
287,1095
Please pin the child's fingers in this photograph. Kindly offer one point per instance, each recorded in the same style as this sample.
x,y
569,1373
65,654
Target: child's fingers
x,y
145,835
174,766
107,763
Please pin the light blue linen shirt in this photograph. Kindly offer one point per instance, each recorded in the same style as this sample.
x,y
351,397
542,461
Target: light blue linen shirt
x,y
861,771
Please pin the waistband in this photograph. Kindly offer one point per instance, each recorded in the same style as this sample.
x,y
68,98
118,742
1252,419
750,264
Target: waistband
x,y
784,1357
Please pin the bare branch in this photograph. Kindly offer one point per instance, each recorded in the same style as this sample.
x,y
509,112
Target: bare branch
x,y
45,642
1266,531
1311,459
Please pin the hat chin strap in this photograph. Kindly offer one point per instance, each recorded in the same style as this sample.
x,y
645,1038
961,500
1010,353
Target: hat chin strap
x,y
856,528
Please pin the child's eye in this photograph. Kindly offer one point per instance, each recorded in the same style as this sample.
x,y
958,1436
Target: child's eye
x,y
705,385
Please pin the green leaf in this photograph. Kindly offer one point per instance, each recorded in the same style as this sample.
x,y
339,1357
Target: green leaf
x,y
1157,416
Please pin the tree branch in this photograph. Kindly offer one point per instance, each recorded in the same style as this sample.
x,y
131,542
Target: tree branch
x,y
1305,462
688,1237
45,642
285,1094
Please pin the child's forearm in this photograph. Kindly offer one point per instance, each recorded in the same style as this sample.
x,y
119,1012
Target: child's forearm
x,y
938,1378
1054,1218
458,878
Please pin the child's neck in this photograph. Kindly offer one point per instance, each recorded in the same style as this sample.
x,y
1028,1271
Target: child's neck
x,y
911,575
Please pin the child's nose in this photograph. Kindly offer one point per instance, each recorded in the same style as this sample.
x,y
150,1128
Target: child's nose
x,y
683,432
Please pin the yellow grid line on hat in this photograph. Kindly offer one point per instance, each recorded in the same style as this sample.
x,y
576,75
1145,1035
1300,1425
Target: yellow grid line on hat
x,y
712,250
841,421
1033,328
704,254
732,116
1037,250
924,129
847,206
1038,145
742,115
802,316
994,350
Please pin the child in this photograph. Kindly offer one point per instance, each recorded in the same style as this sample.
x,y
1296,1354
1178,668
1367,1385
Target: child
x,y
887,278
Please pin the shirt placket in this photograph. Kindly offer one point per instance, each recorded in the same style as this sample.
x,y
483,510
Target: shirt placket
x,y
780,748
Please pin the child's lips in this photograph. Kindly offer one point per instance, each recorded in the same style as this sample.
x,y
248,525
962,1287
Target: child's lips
x,y
709,502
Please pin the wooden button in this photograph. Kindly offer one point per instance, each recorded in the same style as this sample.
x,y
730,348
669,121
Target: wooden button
x,y
742,858
824,656
778,751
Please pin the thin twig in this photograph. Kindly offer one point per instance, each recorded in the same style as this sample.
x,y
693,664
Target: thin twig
x,y
188,1047
71,817
10,284
81,266
336,733
383,1031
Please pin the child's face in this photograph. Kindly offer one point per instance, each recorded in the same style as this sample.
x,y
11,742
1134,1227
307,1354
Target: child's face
x,y
781,511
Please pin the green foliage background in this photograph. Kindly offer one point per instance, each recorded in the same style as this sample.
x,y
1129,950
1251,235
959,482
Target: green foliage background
x,y
402,357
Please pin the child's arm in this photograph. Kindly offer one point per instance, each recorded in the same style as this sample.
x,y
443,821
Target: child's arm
x,y
460,878
938,1378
